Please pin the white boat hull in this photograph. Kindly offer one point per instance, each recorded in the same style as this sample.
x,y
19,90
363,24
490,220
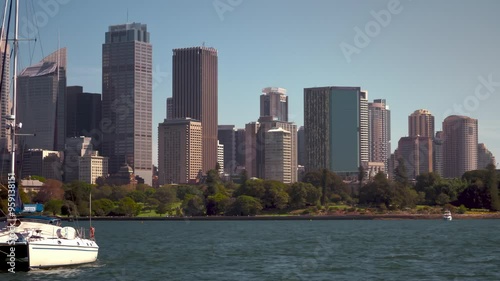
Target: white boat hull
x,y
60,252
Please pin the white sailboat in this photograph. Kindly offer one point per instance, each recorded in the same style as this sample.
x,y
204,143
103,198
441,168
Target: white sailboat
x,y
28,242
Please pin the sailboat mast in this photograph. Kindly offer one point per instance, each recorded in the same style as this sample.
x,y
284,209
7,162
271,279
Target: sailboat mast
x,y
14,88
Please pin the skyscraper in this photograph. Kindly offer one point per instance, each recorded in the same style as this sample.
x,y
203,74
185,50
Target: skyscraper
x,y
83,115
75,148
179,150
459,145
416,153
484,156
227,137
220,156
127,99
278,158
421,123
301,147
437,151
274,103
379,119
194,93
251,147
170,109
240,148
41,102
336,128
265,125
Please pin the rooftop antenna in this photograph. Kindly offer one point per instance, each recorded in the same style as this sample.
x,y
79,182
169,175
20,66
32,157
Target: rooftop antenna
x,y
127,15
203,44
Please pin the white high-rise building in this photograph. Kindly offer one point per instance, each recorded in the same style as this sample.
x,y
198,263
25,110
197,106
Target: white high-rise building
x,y
379,119
278,157
220,156
92,166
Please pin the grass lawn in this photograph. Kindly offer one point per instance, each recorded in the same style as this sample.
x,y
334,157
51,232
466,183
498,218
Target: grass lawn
x,y
153,213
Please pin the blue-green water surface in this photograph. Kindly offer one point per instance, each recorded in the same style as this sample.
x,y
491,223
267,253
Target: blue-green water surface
x,y
288,250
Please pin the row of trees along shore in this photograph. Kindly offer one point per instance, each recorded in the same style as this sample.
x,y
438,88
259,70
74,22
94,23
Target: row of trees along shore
x,y
319,192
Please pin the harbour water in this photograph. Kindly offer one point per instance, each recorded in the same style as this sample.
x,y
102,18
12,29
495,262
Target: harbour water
x,y
288,250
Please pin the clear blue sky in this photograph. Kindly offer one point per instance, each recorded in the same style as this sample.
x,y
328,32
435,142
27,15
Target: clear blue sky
x,y
429,55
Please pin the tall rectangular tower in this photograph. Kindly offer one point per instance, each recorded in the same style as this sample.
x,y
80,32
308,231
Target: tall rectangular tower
x,y
41,102
179,150
336,128
379,132
127,99
421,124
459,145
194,93
227,137
274,103
83,115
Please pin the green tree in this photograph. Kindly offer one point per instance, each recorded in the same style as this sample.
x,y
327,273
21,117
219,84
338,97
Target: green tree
x,y
128,207
184,190
213,184
102,207
163,208
297,193
217,204
193,205
379,191
166,194
275,196
101,192
401,173
442,199
138,196
254,188
492,185
473,197
245,206
313,195
119,192
243,177
54,206
361,175
151,204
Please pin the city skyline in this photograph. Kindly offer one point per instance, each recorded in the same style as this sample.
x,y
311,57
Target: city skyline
x,y
389,54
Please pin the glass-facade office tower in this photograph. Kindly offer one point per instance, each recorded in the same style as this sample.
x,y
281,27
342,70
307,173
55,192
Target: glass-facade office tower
x,y
336,128
83,115
194,93
127,99
227,137
41,103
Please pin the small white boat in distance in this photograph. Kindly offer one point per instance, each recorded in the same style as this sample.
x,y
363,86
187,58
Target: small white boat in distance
x,y
447,215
